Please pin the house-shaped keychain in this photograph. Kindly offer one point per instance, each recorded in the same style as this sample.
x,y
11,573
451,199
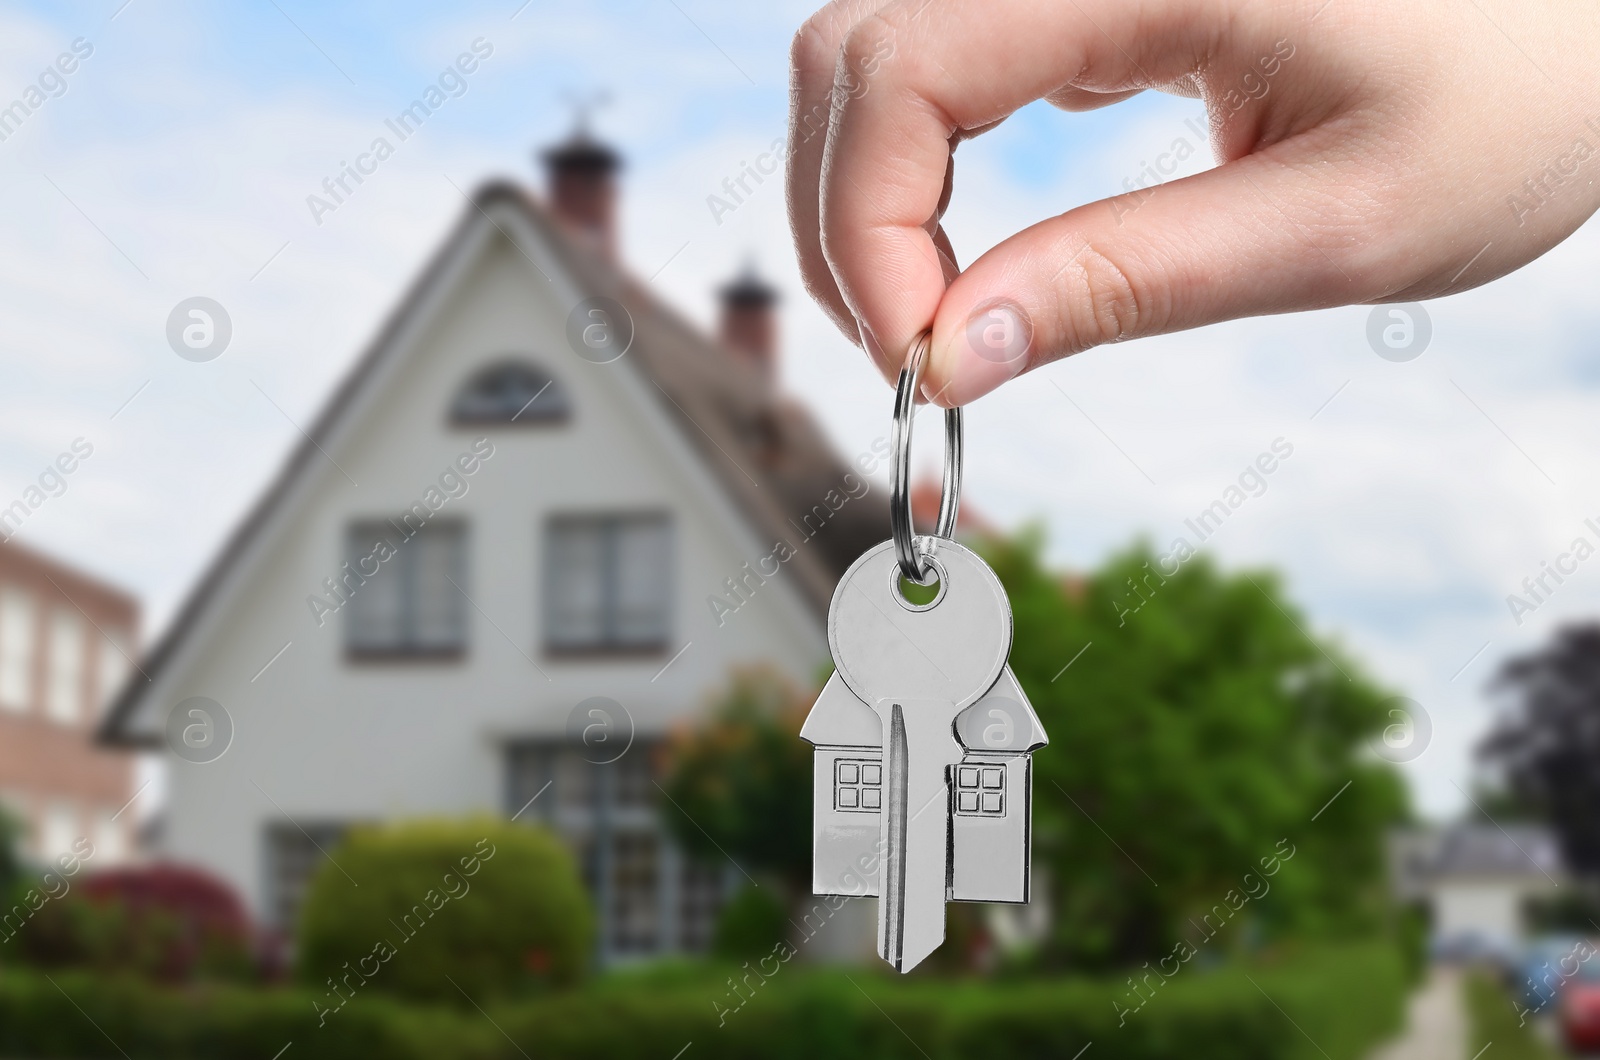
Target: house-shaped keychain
x,y
990,806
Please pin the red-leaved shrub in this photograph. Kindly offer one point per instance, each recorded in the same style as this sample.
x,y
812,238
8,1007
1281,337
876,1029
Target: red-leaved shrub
x,y
166,922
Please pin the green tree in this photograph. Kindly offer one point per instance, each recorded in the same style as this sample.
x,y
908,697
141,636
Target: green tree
x,y
1199,726
1546,743
740,783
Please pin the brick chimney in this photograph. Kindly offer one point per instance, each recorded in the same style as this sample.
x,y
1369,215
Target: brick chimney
x,y
749,324
583,188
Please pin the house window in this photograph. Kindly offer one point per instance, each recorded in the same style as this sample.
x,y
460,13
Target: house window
x,y
293,857
634,782
576,786
635,903
16,649
608,583
650,897
110,839
981,791
58,831
700,903
510,392
413,604
65,700
858,785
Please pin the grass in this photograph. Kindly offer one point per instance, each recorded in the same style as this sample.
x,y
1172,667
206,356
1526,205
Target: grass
x,y
1491,1018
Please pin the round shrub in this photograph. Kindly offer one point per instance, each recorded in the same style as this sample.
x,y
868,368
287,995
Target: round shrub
x,y
752,922
406,908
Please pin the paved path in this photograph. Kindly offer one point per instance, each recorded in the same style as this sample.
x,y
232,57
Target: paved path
x,y
1436,1022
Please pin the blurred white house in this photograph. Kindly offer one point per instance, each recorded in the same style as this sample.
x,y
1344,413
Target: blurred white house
x,y
1477,881
540,486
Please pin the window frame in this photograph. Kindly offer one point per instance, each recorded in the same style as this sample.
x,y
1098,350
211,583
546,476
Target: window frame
x,y
19,659
284,904
408,648
609,644
66,666
550,406
548,782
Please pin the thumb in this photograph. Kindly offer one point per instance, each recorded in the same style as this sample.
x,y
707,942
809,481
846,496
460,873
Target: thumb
x,y
1250,237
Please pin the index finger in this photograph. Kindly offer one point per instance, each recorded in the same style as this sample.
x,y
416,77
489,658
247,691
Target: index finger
x,y
813,58
921,70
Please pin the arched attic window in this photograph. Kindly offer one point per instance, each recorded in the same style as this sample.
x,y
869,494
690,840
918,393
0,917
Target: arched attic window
x,y
510,392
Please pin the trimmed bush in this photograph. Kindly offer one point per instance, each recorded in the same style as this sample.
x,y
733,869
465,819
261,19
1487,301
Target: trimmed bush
x,y
1341,1006
1347,998
751,924
405,909
1344,1000
81,1015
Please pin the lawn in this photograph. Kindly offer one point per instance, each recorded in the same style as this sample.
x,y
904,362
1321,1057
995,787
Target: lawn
x,y
1492,1018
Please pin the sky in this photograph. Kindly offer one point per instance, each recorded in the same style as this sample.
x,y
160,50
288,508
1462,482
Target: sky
x,y
178,159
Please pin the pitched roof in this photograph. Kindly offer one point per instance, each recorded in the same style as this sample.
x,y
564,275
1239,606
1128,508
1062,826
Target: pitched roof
x,y
769,452
839,719
71,582
1468,851
766,450
1489,850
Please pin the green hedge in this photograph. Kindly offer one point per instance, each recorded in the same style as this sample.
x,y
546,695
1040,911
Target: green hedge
x,y
1341,1006
50,1016
1346,999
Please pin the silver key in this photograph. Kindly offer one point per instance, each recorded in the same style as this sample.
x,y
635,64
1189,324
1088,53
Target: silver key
x,y
923,736
918,668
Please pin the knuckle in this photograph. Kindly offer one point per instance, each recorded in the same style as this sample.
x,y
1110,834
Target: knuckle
x,y
1104,303
870,49
815,47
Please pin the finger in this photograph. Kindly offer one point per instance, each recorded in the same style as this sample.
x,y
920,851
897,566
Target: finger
x,y
947,255
813,58
1073,98
1258,235
934,67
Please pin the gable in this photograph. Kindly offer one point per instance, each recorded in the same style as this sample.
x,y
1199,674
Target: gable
x,y
839,719
500,288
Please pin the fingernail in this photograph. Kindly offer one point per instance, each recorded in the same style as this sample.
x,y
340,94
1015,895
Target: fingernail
x,y
998,338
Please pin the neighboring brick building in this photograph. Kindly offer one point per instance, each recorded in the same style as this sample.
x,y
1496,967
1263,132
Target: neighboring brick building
x,y
66,645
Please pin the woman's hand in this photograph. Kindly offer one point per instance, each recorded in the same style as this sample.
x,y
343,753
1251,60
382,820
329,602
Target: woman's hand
x,y
1370,152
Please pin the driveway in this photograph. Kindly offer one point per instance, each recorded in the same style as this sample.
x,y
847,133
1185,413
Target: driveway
x,y
1436,1022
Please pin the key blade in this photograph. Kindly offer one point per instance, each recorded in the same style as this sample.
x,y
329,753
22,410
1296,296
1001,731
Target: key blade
x,y
919,748
892,885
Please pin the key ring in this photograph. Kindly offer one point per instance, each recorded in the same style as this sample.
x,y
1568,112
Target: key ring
x,y
914,560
